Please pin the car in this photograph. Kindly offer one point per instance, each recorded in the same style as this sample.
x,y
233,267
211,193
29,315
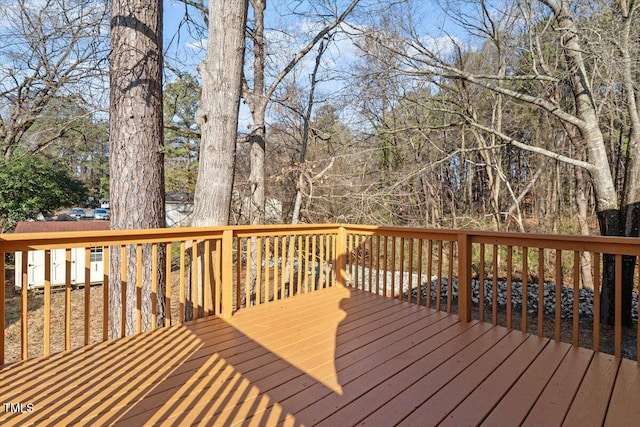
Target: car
x,y
77,213
101,213
105,205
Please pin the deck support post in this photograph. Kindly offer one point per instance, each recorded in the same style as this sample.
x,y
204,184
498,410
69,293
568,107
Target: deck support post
x,y
340,262
464,277
226,275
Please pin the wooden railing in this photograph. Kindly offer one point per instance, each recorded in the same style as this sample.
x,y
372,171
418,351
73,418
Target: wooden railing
x,y
218,270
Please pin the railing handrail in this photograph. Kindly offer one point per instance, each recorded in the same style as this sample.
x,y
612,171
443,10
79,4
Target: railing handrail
x,y
51,240
56,240
604,244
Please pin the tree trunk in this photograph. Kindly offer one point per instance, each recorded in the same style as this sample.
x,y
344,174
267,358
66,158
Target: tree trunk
x,y
582,203
217,116
136,151
608,209
630,206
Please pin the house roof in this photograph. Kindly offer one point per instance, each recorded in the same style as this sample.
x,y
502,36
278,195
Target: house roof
x,y
52,226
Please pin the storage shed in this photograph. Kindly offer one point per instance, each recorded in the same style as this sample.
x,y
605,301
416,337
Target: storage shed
x,y
36,259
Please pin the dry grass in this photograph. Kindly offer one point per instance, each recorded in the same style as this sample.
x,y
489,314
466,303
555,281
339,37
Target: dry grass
x,y
35,319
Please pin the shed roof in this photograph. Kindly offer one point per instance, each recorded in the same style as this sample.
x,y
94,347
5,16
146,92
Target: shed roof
x,y
52,226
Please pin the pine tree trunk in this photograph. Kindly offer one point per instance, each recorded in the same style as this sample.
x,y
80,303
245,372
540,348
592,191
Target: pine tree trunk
x,y
136,150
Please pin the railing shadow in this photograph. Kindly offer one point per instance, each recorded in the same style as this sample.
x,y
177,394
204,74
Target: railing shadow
x,y
206,371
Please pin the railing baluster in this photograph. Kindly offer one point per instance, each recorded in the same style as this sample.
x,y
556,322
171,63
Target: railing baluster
x,y
393,266
401,275
247,273
307,263
596,302
291,251
105,293
87,295
327,258
167,281
481,283
439,277
123,291
195,280
283,269
217,279
207,302
138,289
370,263
67,299
386,266
494,293
509,287
429,271
276,265
267,269
618,309
419,284
47,302
349,263
450,280
314,263
541,292
258,270
24,318
337,247
357,256
226,272
154,286
576,299
525,290
410,271
558,293
182,289
238,286
301,265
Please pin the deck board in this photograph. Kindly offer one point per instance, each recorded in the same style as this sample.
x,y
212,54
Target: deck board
x,y
333,357
552,405
490,392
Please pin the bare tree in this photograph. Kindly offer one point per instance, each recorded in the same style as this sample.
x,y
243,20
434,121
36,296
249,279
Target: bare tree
x,y
258,96
57,50
136,149
581,114
217,116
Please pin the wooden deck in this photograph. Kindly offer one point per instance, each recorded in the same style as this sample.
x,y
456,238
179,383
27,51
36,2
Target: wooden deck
x,y
338,357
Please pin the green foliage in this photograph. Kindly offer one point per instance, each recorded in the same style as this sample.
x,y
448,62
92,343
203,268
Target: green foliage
x,y
33,184
182,145
78,141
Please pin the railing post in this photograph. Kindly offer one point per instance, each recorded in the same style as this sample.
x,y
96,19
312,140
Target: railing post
x,y
340,262
226,281
464,277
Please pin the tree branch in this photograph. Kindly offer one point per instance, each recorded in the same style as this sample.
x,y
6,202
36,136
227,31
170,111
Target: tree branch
x,y
538,150
306,49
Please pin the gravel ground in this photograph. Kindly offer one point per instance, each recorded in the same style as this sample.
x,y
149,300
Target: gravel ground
x,y
629,342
